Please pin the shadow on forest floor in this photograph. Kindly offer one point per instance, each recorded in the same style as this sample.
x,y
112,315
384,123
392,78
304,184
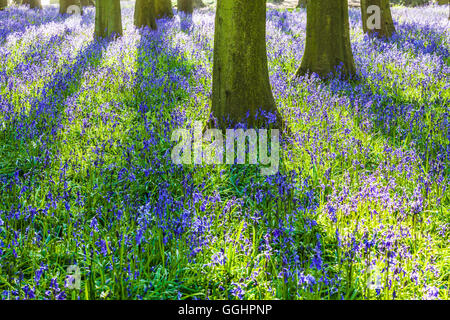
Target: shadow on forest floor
x,y
420,42
40,125
162,72
19,19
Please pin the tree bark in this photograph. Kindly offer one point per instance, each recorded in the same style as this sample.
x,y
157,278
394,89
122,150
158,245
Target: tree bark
x,y
144,14
199,4
386,28
33,4
87,3
65,4
327,39
302,3
3,4
240,73
108,18
163,9
185,6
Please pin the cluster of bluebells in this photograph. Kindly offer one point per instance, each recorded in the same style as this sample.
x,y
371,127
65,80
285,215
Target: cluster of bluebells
x,y
86,176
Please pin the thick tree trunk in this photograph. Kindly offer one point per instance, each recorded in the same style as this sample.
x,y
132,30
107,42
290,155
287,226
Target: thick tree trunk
x,y
163,9
3,4
327,39
108,18
240,74
199,4
302,3
33,4
185,6
144,14
377,21
66,6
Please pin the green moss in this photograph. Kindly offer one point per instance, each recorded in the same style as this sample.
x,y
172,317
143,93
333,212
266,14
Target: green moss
x,y
240,76
108,18
144,14
327,39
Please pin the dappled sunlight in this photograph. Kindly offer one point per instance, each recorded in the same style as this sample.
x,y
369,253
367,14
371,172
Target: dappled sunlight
x,y
87,177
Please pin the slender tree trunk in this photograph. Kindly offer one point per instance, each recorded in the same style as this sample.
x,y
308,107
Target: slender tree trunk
x,y
377,20
199,4
302,3
3,4
33,4
108,18
185,6
163,9
327,39
144,14
240,74
66,6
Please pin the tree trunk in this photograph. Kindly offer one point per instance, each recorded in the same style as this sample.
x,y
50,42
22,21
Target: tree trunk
x,y
377,21
66,6
302,3
144,14
163,9
3,4
108,18
199,4
33,4
240,74
327,39
185,6
87,3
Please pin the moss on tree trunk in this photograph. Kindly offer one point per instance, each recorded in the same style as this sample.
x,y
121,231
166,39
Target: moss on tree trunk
x,y
87,3
302,3
163,9
108,18
240,74
64,5
185,6
144,14
33,4
386,28
327,39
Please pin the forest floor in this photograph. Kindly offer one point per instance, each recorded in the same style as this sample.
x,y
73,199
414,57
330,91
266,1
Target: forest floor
x,y
360,207
287,4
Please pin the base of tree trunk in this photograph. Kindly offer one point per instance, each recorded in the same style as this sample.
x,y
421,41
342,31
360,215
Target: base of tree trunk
x,y
327,40
302,4
108,19
241,89
163,9
144,14
33,4
185,6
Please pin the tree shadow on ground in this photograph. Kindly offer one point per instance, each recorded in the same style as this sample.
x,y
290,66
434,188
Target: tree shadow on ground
x,y
415,120
28,135
419,40
162,72
18,19
407,116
